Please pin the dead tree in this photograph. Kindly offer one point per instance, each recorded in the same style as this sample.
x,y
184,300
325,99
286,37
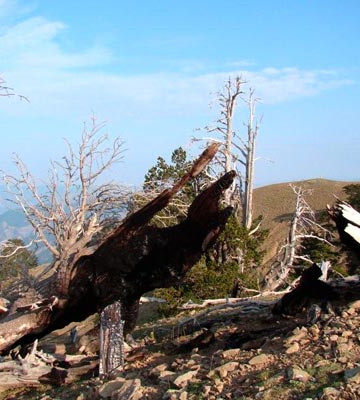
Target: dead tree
x,y
74,209
235,152
133,259
248,152
303,226
7,91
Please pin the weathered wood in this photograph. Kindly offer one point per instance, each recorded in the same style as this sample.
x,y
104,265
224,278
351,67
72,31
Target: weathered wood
x,y
309,290
131,261
38,367
347,221
111,339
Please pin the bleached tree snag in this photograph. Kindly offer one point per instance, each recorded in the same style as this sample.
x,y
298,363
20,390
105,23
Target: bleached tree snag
x,y
111,339
248,152
228,156
303,225
132,260
235,152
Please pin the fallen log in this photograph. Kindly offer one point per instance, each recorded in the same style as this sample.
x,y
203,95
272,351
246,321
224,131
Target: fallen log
x,y
38,367
134,259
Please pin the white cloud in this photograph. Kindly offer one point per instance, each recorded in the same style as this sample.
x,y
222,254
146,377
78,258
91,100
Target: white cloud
x,y
63,83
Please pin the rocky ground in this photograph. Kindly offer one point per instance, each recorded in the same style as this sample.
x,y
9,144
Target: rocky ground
x,y
237,359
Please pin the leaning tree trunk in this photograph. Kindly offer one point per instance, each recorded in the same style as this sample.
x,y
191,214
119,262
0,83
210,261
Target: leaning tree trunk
x,y
132,260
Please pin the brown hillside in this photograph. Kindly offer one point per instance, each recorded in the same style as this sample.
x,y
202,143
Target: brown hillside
x,y
276,204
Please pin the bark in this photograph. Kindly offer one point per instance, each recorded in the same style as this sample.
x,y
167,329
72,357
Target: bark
x,y
111,339
134,259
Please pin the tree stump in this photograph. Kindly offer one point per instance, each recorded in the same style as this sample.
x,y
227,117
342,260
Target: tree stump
x,y
111,339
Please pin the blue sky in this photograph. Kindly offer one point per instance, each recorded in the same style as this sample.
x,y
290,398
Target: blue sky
x,y
150,69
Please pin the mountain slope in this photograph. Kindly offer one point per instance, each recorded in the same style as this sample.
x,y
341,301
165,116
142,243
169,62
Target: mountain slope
x,y
276,203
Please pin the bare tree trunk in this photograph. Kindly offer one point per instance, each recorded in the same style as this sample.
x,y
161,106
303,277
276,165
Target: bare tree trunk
x,y
111,339
303,225
250,163
134,259
229,101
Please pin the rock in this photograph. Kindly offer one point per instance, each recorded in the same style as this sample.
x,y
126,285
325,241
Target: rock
x,y
167,376
184,379
297,374
219,386
355,305
330,391
352,375
253,344
206,390
191,363
294,348
225,368
296,337
314,330
231,353
108,388
173,394
322,363
344,348
260,359
196,357
156,370
276,379
129,391
183,395
334,338
346,334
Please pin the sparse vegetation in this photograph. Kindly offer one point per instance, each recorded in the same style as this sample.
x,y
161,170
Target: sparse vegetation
x,y
353,195
15,261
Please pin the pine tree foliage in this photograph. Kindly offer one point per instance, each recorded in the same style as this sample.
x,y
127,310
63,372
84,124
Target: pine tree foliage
x,y
235,253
